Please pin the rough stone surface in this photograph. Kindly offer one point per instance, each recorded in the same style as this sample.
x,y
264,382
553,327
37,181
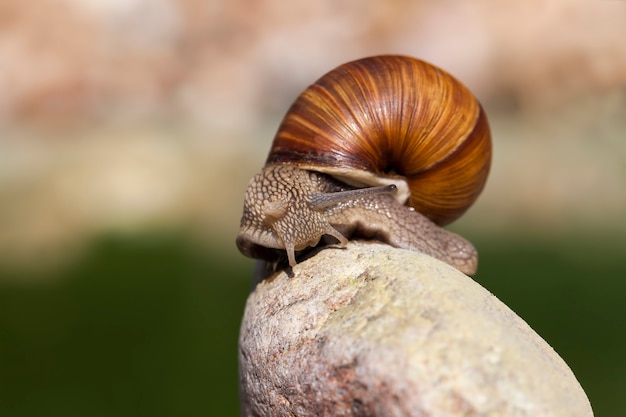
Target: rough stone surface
x,y
376,331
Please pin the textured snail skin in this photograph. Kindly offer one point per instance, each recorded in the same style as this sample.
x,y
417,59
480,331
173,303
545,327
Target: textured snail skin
x,y
295,212
386,147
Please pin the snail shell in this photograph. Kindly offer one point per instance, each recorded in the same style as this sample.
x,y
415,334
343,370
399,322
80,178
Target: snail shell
x,y
392,118
374,122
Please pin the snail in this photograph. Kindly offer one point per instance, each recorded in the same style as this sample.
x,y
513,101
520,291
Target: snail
x,y
388,147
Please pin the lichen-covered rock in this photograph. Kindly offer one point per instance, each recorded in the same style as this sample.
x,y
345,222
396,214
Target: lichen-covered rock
x,y
375,331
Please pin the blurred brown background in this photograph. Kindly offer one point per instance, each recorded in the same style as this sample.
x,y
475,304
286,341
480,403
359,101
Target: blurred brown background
x,y
131,122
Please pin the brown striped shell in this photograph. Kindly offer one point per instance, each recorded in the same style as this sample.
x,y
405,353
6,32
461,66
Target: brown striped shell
x,y
388,118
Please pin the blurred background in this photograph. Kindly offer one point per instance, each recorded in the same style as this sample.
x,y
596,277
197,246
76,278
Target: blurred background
x,y
129,130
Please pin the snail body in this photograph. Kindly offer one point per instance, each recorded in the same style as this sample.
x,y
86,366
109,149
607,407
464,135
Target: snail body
x,y
386,147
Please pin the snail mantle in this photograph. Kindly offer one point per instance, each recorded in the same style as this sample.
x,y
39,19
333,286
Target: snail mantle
x,y
372,330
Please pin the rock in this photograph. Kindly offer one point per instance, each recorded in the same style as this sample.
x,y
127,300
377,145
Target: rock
x,y
375,331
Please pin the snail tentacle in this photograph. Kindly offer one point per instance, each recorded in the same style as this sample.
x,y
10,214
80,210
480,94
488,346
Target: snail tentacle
x,y
320,201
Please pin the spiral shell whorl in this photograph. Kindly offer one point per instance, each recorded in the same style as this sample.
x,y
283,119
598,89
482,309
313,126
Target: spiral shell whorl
x,y
393,116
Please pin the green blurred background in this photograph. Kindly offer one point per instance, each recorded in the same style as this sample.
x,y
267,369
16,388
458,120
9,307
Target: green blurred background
x,y
128,132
